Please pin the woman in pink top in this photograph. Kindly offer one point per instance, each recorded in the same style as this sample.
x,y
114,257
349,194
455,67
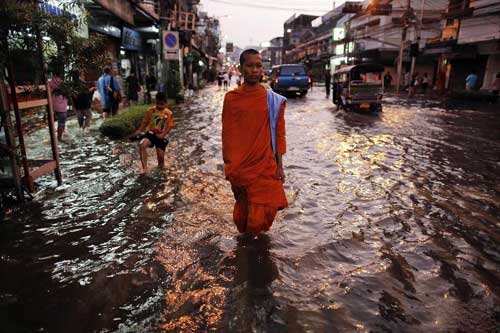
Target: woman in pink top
x,y
59,105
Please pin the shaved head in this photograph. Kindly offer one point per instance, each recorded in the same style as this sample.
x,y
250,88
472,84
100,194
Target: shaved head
x,y
245,53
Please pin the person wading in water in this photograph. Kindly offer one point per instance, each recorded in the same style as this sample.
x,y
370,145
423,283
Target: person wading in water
x,y
157,123
253,142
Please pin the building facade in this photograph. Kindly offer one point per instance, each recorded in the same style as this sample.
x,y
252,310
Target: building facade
x,y
469,41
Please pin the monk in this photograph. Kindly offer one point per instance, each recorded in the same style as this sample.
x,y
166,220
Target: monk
x,y
253,142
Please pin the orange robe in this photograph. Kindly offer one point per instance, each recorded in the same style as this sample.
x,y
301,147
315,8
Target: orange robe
x,y
249,162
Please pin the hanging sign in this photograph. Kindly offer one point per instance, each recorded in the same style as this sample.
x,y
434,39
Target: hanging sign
x,y
131,39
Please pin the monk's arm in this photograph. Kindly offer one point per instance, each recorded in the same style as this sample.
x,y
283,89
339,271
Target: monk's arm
x,y
281,142
226,135
225,127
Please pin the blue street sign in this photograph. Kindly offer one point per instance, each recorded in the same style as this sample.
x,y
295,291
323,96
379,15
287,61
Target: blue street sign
x,y
171,40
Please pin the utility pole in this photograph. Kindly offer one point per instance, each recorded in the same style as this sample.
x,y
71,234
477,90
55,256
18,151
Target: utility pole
x,y
163,14
418,32
347,40
405,20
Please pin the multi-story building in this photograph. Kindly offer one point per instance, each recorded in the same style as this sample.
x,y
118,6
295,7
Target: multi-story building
x,y
342,36
469,41
294,28
272,53
276,51
341,46
378,35
233,58
207,43
316,46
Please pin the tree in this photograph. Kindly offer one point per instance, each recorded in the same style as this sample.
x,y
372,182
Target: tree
x,y
24,25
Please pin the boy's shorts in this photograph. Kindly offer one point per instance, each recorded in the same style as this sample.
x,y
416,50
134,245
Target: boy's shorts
x,y
155,140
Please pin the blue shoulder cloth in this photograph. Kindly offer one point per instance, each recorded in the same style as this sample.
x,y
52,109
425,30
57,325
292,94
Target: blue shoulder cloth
x,y
274,102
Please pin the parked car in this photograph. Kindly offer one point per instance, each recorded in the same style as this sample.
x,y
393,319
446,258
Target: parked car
x,y
290,78
358,87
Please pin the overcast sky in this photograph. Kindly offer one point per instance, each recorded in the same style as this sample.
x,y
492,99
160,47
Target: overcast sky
x,y
251,22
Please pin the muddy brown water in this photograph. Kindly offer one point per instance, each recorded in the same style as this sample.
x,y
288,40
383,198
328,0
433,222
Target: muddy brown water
x,y
393,225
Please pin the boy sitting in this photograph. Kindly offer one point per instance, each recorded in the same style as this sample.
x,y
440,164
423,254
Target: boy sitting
x,y
157,124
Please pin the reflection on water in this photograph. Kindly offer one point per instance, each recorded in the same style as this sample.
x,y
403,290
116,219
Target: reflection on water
x,y
253,262
392,226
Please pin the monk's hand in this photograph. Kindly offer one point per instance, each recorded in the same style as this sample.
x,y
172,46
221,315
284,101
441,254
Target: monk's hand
x,y
280,173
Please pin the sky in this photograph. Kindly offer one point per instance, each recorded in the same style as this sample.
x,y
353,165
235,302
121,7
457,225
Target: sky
x,y
251,22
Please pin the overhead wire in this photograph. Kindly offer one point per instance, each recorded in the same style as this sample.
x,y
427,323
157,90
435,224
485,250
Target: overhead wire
x,y
270,7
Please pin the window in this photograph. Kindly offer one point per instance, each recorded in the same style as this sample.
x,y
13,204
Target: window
x,y
292,70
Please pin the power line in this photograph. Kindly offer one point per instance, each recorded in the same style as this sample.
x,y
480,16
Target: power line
x,y
271,7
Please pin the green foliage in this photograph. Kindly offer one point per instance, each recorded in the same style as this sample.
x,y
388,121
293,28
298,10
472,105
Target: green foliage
x,y
23,23
126,122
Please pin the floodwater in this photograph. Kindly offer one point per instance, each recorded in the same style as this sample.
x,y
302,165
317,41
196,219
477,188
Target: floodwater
x,y
393,225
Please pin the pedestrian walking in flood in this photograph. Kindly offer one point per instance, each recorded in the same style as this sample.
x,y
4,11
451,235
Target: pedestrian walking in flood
x,y
110,92
387,81
425,83
150,86
82,102
328,79
471,81
226,80
220,78
253,142
310,79
59,104
133,88
240,79
414,84
407,80
153,132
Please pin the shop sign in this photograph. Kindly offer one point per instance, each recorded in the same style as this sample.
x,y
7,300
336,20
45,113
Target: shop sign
x,y
171,45
131,40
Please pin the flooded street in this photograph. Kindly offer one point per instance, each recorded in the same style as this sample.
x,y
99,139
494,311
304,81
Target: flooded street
x,y
393,225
